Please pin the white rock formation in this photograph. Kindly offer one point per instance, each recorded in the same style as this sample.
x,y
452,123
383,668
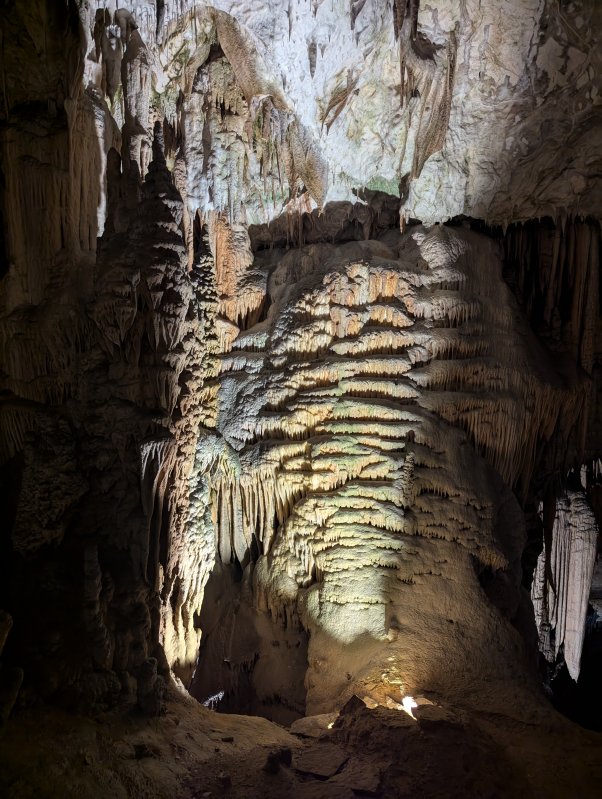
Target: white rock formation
x,y
482,108
348,413
563,580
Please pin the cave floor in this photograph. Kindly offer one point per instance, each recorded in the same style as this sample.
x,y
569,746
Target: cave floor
x,y
190,751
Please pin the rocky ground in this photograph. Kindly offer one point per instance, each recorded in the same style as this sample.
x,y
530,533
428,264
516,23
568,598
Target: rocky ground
x,y
190,751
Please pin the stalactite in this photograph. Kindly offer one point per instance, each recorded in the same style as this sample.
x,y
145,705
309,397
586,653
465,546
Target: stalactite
x,y
555,268
561,589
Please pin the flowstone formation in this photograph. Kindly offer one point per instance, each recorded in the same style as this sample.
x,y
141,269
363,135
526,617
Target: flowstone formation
x,y
261,430
373,423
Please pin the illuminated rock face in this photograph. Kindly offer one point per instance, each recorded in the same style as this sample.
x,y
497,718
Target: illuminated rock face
x,y
563,579
352,493
456,108
339,424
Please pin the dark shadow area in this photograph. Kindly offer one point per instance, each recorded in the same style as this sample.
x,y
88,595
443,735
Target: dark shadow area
x,y
338,222
41,546
247,663
581,701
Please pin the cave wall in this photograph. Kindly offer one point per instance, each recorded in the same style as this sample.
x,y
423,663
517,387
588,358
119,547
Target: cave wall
x,y
374,422
105,357
215,337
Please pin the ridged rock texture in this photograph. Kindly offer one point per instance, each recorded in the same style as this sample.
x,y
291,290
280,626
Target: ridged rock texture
x,y
360,419
560,599
268,425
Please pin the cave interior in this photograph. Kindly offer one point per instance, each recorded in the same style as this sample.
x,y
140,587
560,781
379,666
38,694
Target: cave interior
x,y
300,398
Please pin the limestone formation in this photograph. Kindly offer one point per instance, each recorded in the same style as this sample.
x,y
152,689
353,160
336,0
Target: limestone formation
x,y
300,378
562,582
347,497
